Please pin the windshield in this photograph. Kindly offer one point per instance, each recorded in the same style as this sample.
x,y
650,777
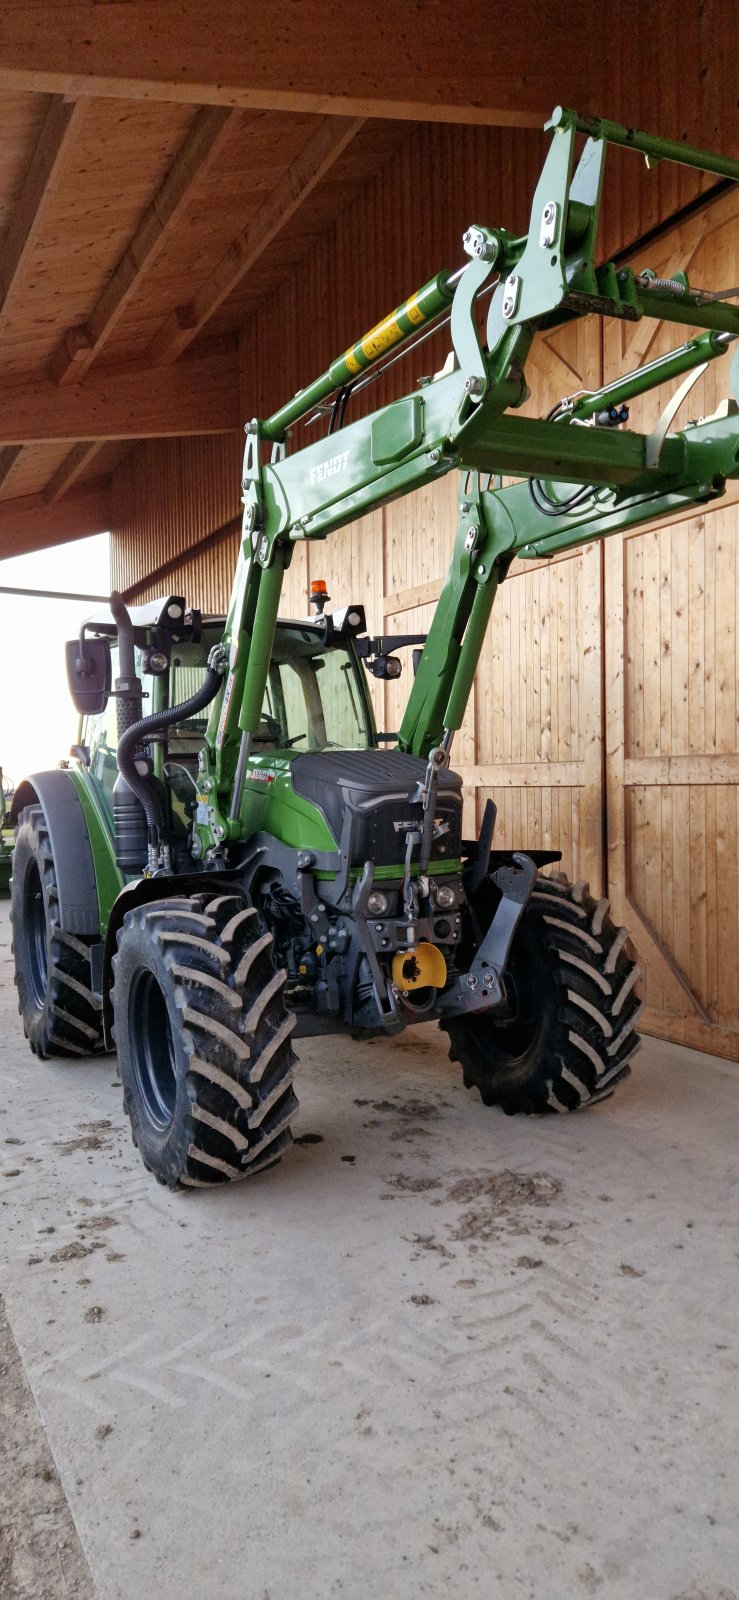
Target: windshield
x,y
313,701
314,698
187,675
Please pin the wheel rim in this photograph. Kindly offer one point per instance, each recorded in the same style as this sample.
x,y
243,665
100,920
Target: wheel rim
x,y
508,1044
152,1051
517,1034
34,923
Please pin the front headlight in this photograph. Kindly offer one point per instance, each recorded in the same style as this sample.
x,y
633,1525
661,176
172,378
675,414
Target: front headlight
x,y
445,897
377,903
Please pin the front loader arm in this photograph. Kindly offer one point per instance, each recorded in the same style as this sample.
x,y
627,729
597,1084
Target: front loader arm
x,y
593,475
497,524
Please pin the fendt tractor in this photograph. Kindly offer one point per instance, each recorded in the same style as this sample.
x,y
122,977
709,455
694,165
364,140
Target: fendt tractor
x,y
6,852
251,860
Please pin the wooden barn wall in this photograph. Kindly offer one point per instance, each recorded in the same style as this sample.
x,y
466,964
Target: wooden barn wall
x,y
167,496
670,69
672,703
603,720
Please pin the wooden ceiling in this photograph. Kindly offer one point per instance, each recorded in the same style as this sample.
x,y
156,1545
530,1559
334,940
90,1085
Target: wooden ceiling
x,y
130,230
164,166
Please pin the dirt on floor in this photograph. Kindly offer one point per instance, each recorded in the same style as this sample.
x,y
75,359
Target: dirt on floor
x,y
41,1557
440,1351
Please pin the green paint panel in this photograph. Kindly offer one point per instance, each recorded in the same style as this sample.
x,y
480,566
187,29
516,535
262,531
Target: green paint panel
x,y
271,805
397,431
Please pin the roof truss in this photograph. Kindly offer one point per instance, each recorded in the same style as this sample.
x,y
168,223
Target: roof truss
x,y
200,395
203,144
330,140
61,123
431,63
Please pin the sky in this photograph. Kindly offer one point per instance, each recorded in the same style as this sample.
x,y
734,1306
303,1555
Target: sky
x,y
38,722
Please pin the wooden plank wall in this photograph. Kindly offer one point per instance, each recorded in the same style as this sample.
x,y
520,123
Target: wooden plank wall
x,y
603,720
167,496
672,704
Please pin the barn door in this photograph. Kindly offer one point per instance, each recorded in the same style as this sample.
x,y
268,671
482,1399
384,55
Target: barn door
x,y
672,702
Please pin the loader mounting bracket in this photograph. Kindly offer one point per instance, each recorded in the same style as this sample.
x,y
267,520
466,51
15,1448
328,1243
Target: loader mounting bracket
x,y
482,988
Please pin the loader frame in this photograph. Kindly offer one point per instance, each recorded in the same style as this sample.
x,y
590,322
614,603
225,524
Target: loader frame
x,y
465,420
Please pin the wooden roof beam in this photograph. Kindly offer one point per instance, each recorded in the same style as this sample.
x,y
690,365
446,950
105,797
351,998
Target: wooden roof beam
x,y
61,123
195,396
30,524
9,454
70,469
325,145
466,62
204,142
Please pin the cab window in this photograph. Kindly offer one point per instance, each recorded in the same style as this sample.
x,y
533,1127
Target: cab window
x,y
313,702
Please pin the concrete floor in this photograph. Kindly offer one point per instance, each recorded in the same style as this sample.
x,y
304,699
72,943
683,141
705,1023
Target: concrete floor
x,y
437,1352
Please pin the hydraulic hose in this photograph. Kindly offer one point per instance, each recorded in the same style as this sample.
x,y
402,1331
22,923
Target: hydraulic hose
x,y
136,734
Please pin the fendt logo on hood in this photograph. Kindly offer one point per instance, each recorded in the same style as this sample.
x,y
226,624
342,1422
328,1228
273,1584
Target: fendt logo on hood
x,y
329,468
411,827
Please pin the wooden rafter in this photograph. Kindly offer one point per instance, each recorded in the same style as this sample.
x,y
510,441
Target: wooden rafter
x,y
70,469
29,523
318,155
205,139
430,62
80,346
9,454
196,396
61,123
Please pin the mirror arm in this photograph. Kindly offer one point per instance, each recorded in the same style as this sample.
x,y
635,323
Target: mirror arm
x,y
84,664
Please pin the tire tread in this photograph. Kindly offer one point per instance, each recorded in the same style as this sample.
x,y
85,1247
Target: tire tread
x,y
71,1010
593,1005
232,1017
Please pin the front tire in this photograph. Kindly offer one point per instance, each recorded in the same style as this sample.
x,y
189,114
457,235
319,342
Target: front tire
x,y
573,1009
203,1039
53,972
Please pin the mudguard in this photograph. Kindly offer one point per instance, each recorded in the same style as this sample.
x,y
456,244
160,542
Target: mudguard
x,y
75,873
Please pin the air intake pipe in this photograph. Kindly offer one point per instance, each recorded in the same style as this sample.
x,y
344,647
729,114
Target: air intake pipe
x,y
131,792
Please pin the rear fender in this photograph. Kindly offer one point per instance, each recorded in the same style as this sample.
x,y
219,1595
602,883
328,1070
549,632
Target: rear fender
x,y
70,843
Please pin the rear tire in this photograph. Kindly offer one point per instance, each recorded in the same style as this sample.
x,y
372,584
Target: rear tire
x,y
61,1014
203,1040
571,1034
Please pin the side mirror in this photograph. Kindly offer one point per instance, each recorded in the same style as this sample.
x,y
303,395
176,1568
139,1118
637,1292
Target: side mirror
x,y
88,675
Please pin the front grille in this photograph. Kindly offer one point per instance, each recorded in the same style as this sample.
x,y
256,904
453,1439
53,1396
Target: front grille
x,y
380,834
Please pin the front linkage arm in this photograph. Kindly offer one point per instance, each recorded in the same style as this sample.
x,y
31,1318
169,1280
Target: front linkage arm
x,y
590,476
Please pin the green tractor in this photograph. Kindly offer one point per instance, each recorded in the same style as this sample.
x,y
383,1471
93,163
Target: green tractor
x,y
6,837
236,856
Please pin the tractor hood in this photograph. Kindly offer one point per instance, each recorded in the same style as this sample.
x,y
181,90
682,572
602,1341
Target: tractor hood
x,y
377,786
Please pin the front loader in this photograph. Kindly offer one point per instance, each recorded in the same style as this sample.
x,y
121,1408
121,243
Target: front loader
x,y
244,858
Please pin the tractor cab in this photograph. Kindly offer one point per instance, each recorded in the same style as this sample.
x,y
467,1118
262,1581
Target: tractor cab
x,y
316,702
